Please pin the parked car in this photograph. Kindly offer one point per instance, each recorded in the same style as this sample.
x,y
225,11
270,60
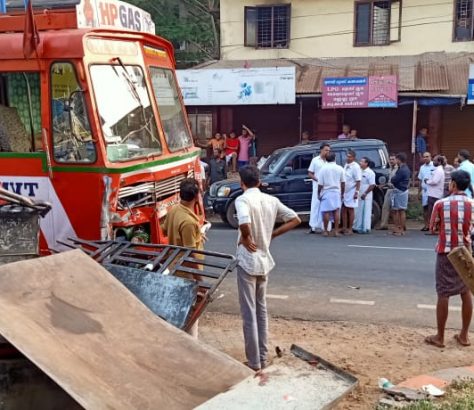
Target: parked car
x,y
285,175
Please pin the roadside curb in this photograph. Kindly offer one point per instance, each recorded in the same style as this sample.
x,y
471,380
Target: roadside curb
x,y
440,378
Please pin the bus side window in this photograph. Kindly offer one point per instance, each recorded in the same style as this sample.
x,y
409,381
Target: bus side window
x,y
72,138
20,111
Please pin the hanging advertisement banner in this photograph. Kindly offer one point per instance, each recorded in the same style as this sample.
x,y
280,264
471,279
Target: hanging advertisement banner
x,y
241,86
347,92
470,89
360,92
383,91
113,14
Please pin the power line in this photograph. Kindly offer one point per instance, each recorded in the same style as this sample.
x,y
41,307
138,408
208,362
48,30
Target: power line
x,y
349,32
294,17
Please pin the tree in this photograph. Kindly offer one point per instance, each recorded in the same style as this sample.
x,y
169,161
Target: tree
x,y
191,25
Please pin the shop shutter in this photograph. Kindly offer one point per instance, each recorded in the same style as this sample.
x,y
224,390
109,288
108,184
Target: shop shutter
x,y
458,131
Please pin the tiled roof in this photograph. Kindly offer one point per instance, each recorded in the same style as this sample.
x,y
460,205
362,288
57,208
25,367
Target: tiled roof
x,y
439,73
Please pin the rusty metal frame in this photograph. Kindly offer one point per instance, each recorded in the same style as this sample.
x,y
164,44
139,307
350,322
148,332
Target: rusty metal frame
x,y
167,260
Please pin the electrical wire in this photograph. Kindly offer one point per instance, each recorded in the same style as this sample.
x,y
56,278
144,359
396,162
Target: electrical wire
x,y
349,32
294,17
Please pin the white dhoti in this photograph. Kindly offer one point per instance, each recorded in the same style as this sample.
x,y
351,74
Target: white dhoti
x,y
349,201
363,215
330,201
315,219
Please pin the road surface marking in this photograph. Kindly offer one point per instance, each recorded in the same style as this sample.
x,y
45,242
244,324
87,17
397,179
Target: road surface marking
x,y
391,247
281,297
433,307
352,301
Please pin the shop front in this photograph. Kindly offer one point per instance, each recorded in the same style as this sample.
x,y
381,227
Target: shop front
x,y
432,90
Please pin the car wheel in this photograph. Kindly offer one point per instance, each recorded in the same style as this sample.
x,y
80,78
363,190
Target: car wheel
x,y
231,215
224,218
376,213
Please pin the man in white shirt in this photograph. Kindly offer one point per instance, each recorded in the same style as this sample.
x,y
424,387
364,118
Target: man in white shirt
x,y
257,213
331,189
466,165
315,219
435,184
363,217
352,178
425,172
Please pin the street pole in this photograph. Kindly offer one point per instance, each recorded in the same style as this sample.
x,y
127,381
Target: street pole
x,y
413,137
301,118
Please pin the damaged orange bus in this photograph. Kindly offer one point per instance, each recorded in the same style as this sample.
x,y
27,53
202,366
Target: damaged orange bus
x,y
92,119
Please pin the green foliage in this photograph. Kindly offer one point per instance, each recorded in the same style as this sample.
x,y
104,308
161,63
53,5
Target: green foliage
x,y
189,24
415,211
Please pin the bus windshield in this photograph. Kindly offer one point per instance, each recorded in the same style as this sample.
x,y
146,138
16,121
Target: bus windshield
x,y
171,111
123,102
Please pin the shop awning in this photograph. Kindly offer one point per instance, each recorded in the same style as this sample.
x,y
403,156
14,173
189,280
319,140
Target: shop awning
x,y
430,74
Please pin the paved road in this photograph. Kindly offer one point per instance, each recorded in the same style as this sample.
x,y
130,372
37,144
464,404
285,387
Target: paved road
x,y
314,277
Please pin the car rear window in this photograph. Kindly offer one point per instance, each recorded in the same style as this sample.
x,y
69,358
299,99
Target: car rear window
x,y
371,153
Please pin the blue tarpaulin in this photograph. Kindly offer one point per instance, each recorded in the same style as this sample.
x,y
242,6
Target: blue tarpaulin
x,y
430,101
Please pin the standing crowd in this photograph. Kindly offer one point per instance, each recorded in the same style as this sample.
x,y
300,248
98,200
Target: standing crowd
x,y
345,194
341,204
229,153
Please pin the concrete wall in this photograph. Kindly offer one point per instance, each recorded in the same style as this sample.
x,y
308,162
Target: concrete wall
x,y
427,26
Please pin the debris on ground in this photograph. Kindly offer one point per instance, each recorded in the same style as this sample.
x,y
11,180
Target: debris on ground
x,y
394,351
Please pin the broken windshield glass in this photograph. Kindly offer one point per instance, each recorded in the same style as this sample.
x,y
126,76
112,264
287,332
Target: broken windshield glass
x,y
128,123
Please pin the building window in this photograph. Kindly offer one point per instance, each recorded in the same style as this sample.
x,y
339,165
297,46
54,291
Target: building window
x,y
372,22
267,26
464,20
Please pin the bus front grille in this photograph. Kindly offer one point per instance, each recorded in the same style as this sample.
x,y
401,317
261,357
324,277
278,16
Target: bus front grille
x,y
149,193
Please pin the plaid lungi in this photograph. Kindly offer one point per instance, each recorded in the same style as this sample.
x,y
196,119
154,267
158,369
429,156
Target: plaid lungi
x,y
448,282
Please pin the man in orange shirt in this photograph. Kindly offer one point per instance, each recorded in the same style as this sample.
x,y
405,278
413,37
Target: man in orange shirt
x,y
182,225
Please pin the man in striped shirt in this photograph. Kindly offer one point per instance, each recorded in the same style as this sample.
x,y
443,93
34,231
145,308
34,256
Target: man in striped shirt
x,y
453,220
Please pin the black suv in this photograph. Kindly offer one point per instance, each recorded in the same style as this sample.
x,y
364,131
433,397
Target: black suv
x,y
285,175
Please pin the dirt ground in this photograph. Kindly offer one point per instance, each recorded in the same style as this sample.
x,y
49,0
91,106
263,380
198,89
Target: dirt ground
x,y
367,351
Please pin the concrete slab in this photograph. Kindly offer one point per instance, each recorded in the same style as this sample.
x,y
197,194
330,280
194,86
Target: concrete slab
x,y
290,383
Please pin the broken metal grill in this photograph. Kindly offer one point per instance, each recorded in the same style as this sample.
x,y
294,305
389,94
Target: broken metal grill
x,y
148,193
207,269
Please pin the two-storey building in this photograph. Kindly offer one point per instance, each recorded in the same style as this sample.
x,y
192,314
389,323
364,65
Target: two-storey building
x,y
427,44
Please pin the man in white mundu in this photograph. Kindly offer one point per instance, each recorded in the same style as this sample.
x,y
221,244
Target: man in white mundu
x,y
363,217
316,219
352,176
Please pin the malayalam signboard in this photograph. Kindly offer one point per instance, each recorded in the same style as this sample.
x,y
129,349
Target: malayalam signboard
x,y
238,86
348,92
383,91
113,14
360,92
470,89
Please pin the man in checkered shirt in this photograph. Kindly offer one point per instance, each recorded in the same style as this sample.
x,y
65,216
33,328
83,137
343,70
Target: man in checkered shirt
x,y
453,220
257,213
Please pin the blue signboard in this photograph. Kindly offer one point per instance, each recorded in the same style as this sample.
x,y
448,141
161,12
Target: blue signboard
x,y
470,91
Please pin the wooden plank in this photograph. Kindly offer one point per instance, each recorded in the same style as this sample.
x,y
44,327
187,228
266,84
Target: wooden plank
x,y
84,329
